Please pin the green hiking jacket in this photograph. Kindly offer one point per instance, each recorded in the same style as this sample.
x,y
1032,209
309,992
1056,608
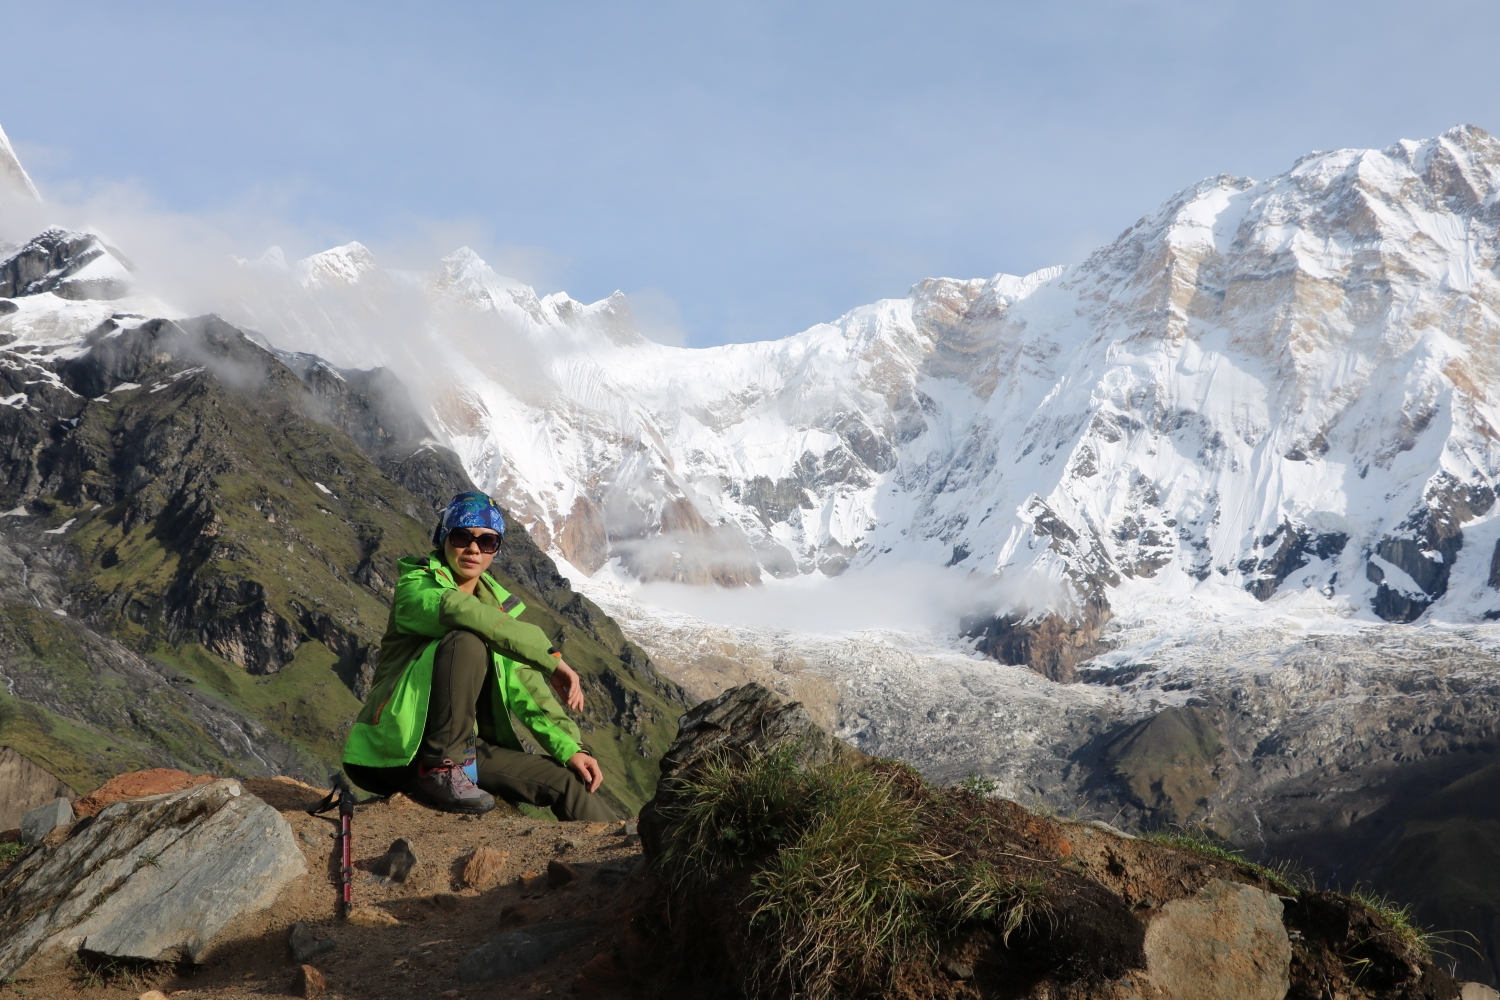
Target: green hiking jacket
x,y
429,605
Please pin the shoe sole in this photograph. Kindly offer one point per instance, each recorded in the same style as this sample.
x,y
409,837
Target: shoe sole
x,y
475,810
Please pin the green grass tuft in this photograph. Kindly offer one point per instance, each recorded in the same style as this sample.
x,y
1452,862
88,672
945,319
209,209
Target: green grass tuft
x,y
1283,876
980,785
12,851
838,875
1399,918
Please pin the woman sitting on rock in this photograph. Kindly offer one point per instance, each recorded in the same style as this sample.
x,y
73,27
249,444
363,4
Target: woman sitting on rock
x,y
454,656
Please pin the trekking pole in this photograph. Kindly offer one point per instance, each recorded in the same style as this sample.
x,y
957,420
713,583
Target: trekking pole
x,y
342,796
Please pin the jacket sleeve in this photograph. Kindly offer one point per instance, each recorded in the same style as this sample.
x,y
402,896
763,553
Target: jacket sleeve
x,y
551,739
535,682
506,636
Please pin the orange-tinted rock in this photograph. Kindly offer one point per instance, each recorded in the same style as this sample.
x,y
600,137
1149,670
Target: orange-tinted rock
x,y
312,984
135,785
484,867
371,916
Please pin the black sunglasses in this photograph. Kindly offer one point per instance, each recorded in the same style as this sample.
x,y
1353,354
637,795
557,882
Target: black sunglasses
x,y
462,538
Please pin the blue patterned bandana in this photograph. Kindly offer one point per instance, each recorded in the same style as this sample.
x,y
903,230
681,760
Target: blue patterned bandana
x,y
468,510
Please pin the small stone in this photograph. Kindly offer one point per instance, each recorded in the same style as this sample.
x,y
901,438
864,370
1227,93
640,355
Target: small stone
x,y
1477,991
445,902
563,846
449,993
959,971
531,883
371,916
560,873
305,944
483,869
152,995
42,820
396,863
310,982
309,839
594,829
631,828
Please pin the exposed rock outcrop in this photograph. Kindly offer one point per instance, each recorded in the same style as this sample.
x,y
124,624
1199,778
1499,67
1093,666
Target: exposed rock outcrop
x,y
60,262
137,785
151,879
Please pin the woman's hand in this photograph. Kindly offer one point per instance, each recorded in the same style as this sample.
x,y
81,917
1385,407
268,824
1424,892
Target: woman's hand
x,y
564,681
587,769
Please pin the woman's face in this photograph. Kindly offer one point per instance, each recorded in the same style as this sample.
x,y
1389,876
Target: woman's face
x,y
467,563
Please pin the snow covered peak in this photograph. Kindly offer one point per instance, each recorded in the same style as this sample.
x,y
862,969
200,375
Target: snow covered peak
x,y
1276,393
340,267
14,180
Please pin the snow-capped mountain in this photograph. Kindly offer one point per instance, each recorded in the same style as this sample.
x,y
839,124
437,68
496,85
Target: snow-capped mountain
x,y
1264,391
1275,390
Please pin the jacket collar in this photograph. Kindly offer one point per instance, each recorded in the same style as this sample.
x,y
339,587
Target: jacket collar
x,y
444,576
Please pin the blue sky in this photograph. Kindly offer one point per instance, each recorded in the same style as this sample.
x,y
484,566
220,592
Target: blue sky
x,y
746,170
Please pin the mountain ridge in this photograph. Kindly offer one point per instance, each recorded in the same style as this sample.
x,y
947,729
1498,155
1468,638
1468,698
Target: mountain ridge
x,y
1301,345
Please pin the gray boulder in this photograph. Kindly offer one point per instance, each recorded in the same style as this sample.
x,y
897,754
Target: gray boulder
x,y
153,879
42,820
25,784
1226,942
518,951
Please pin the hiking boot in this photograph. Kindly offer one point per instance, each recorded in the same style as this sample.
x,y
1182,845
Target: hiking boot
x,y
449,789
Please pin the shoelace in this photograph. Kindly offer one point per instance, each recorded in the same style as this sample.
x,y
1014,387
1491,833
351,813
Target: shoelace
x,y
461,782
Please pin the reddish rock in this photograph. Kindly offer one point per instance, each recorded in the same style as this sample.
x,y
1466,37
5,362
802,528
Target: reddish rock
x,y
135,785
484,868
310,982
